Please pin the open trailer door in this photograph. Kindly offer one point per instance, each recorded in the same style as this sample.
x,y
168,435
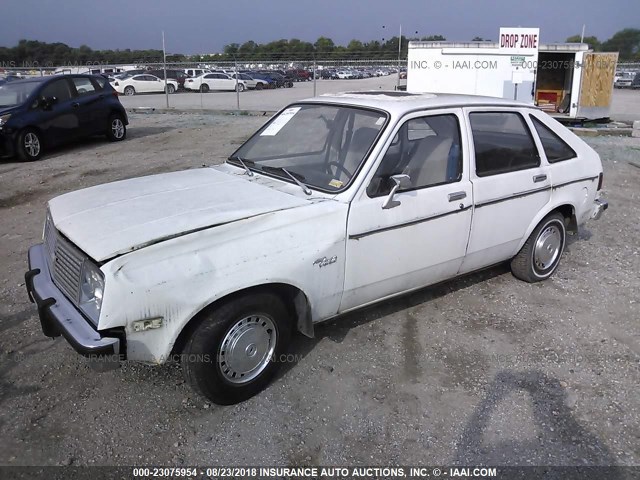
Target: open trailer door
x,y
596,85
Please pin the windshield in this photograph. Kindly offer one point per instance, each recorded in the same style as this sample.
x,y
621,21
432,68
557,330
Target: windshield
x,y
16,93
321,145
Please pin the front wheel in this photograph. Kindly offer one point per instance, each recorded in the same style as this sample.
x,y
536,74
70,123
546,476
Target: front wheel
x,y
29,145
117,130
540,256
259,86
240,87
235,350
171,89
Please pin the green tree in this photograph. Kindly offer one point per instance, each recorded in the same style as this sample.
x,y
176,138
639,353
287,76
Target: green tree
x,y
626,41
592,41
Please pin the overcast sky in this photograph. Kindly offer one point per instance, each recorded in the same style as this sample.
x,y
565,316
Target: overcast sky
x,y
205,26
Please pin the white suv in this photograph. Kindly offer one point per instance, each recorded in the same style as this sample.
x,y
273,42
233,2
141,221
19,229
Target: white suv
x,y
337,202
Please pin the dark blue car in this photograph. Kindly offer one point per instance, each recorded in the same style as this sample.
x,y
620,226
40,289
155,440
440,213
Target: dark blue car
x,y
39,113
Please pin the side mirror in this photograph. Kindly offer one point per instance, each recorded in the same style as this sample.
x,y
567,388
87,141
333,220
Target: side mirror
x,y
400,182
47,102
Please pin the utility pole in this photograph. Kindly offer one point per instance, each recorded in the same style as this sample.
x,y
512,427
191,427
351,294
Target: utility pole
x,y
399,53
582,36
164,61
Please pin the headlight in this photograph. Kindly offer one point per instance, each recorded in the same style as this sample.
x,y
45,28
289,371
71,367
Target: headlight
x,y
4,119
91,290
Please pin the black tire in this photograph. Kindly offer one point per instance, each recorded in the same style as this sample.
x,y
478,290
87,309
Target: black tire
x,y
129,90
117,130
548,238
29,145
240,87
204,88
171,89
204,356
259,86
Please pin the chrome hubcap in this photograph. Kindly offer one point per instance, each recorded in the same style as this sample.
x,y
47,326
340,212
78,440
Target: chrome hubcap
x,y
117,127
247,348
32,144
547,247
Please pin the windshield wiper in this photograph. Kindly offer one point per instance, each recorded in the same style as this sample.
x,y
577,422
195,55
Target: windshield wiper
x,y
244,164
293,176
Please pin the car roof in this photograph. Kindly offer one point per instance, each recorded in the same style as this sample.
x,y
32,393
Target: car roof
x,y
399,102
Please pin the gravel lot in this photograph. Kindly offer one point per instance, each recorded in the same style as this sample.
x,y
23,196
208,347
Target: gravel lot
x,y
482,369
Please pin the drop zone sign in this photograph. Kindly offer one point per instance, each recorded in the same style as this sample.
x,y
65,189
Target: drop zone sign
x,y
519,41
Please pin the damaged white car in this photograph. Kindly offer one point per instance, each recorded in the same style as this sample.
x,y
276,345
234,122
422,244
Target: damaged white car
x,y
337,202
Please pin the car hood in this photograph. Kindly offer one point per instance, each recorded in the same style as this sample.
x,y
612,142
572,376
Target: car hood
x,y
115,218
5,110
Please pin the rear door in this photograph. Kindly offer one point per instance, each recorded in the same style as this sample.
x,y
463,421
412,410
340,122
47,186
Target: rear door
x,y
596,84
511,184
92,111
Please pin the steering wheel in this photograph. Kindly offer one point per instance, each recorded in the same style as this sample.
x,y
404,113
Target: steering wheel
x,y
338,167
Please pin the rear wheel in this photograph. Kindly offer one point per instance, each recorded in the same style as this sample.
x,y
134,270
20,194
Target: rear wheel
x,y
29,145
259,86
117,130
540,256
235,350
129,90
204,88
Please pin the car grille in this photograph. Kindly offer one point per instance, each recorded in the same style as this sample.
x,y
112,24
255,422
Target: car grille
x,y
65,262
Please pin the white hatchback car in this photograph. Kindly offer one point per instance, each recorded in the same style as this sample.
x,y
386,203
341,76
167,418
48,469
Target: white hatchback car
x,y
214,81
143,83
337,202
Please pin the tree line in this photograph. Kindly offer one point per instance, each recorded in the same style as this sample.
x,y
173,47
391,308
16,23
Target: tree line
x,y
35,53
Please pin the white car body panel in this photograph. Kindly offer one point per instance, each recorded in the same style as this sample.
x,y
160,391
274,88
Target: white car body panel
x,y
172,244
143,86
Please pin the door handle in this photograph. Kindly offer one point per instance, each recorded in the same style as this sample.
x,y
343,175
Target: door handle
x,y
457,196
539,178
75,104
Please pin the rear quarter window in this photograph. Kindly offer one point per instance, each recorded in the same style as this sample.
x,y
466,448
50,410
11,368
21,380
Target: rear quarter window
x,y
555,149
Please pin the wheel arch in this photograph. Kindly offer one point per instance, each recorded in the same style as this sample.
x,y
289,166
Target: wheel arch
x,y
567,210
295,300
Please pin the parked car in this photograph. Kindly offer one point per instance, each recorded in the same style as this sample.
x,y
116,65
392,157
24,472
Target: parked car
x,y
280,80
344,74
328,74
336,203
42,112
251,82
636,81
623,79
145,83
196,72
214,81
271,82
178,75
298,75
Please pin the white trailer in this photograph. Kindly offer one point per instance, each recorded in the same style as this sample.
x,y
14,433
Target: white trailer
x,y
565,79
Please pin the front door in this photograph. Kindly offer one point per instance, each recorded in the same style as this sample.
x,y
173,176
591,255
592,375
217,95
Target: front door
x,y
421,237
60,121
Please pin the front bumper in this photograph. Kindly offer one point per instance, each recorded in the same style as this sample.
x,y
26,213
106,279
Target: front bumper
x,y
57,314
599,206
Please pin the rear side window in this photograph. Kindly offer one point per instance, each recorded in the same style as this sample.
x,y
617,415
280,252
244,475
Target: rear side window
x,y
101,81
503,143
555,148
83,85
